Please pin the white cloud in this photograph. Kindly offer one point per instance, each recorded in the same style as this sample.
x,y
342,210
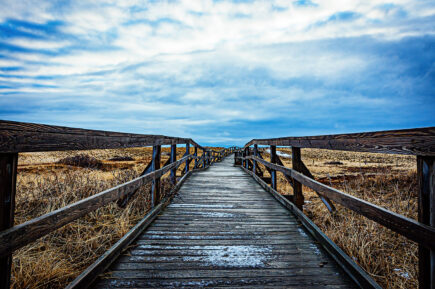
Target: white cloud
x,y
38,44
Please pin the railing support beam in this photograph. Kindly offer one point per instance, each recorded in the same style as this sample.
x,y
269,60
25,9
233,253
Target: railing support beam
x,y
196,155
254,167
173,159
273,172
8,179
186,169
155,188
298,197
426,215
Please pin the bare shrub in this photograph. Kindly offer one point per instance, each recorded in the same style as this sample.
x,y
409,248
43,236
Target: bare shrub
x,y
121,158
82,160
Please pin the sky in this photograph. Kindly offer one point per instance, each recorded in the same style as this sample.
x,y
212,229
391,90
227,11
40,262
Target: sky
x,y
220,72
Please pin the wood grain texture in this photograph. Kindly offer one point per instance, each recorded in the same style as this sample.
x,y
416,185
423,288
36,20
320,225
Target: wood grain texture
x,y
426,215
31,137
412,229
223,229
155,186
20,235
298,196
8,180
418,141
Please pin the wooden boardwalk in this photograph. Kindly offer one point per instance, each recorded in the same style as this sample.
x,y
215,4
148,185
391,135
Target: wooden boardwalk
x,y
223,229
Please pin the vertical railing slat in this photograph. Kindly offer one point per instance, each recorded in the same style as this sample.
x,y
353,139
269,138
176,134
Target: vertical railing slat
x,y
273,172
254,169
426,215
174,159
186,169
155,188
298,197
196,155
8,180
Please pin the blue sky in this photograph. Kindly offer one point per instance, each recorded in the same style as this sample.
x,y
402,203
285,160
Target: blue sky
x,y
220,72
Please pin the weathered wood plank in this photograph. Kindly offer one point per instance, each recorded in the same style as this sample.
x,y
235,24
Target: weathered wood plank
x,y
418,141
296,282
31,137
155,186
298,196
426,215
8,179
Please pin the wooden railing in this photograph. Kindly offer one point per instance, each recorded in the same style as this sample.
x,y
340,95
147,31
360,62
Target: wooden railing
x,y
16,137
419,142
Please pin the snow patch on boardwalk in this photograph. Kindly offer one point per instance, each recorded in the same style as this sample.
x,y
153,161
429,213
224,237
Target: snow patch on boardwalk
x,y
200,206
236,256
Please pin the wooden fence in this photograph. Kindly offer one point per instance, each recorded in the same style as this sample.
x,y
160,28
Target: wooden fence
x,y
419,142
16,137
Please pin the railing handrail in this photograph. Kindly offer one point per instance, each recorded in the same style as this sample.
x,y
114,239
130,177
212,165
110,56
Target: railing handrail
x,y
416,141
31,137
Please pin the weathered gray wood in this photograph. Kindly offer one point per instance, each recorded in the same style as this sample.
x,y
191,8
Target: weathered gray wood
x,y
8,179
85,279
20,235
155,187
220,215
186,169
31,137
418,141
298,196
273,172
346,263
173,158
426,215
195,154
416,231
327,202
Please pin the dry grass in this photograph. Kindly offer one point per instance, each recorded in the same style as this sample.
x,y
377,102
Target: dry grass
x,y
389,181
48,181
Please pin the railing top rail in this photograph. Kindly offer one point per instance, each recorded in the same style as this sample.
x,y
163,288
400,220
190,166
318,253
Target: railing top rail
x,y
31,137
417,141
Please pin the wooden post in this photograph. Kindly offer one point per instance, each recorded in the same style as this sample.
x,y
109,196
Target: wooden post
x,y
155,189
246,154
254,168
273,172
8,179
186,170
426,215
298,197
196,154
173,159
